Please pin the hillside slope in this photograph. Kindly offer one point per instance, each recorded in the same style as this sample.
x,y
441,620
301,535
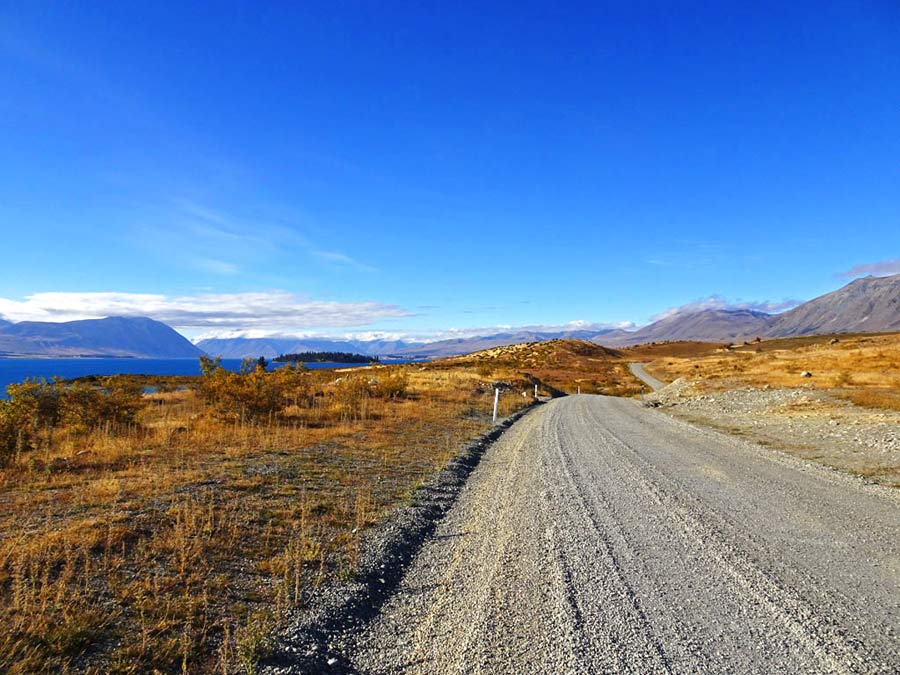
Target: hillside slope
x,y
867,305
565,365
711,325
136,337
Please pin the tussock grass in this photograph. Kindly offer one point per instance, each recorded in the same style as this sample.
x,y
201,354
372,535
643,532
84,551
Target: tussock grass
x,y
862,368
173,543
565,365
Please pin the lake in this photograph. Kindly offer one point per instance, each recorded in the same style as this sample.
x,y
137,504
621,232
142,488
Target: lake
x,y
16,370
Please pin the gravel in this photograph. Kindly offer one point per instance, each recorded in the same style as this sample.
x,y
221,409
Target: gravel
x,y
601,536
310,642
805,421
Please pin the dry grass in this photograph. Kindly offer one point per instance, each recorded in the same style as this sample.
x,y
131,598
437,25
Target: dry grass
x,y
680,349
883,398
862,368
564,365
175,545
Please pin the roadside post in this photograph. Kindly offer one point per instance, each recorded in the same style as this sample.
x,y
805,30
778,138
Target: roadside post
x,y
642,392
496,402
535,391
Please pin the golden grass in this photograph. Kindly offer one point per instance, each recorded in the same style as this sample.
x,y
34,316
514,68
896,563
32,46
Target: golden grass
x,y
564,365
863,368
177,544
680,349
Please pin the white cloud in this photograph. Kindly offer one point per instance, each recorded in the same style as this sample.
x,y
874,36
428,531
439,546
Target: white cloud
x,y
269,310
882,268
720,302
413,336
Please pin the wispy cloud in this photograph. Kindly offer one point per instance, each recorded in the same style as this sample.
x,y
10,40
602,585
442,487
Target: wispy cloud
x,y
217,266
343,260
270,310
882,268
720,302
198,236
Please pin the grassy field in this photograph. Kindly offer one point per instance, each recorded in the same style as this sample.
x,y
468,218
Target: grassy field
x,y
169,532
862,368
174,540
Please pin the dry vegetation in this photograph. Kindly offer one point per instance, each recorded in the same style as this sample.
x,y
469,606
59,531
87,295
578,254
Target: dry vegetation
x,y
680,349
563,365
168,532
862,368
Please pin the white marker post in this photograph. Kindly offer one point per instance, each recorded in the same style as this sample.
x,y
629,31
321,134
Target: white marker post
x,y
496,402
535,391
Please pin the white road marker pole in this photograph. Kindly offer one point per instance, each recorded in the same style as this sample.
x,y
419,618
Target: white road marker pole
x,y
496,401
535,391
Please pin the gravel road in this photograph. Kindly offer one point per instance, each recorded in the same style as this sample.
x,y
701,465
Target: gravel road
x,y
600,536
637,369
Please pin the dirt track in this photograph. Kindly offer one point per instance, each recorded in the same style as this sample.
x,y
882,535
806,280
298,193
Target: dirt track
x,y
600,536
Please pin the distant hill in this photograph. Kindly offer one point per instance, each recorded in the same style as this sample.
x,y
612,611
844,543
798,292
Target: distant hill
x,y
457,346
239,348
870,304
560,366
271,347
716,325
867,305
136,337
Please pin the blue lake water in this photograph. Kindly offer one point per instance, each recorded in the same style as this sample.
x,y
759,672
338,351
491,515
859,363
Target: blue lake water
x,y
16,370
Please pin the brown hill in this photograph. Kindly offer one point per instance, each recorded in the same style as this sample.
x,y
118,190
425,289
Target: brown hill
x,y
867,305
566,365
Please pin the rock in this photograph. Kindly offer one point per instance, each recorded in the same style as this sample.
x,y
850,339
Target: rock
x,y
833,341
806,373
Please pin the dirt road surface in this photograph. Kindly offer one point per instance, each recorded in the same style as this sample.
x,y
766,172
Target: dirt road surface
x,y
600,536
637,369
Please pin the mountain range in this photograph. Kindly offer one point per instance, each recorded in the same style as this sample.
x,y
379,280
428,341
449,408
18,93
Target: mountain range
x,y
135,337
869,304
866,305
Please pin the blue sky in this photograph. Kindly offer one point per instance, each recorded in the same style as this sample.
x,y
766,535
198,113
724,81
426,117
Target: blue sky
x,y
412,167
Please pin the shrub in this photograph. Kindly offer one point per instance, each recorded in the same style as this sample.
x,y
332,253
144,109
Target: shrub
x,y
36,407
351,394
10,435
84,407
254,394
391,385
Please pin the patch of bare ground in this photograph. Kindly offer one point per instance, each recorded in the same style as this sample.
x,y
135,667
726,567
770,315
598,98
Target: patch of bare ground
x,y
806,422
833,399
